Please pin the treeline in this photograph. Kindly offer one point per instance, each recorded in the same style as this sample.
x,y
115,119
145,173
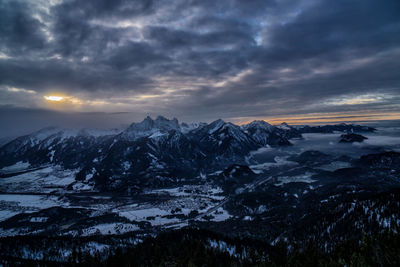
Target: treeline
x,y
189,247
192,248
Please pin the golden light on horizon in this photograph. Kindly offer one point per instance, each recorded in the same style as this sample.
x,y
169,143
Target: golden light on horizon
x,y
324,118
53,98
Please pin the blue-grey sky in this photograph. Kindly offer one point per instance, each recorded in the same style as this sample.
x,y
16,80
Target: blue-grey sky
x,y
198,60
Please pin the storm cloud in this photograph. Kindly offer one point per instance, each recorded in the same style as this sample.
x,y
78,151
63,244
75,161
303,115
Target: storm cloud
x,y
202,60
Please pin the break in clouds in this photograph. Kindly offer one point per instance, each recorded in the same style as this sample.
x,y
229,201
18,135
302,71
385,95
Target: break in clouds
x,y
200,60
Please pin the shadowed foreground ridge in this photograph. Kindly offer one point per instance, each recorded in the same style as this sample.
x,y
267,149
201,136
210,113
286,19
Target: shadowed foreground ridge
x,y
205,248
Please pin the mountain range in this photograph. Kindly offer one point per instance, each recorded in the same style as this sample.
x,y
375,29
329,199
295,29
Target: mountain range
x,y
153,152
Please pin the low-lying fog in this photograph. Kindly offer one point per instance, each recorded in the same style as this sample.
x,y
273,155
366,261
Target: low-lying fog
x,y
384,139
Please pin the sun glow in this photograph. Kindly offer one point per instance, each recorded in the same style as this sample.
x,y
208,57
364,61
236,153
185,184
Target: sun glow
x,y
53,98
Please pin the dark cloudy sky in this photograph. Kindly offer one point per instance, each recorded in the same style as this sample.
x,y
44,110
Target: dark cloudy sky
x,y
198,60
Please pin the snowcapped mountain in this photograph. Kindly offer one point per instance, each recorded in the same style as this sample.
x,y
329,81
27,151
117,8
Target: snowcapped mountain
x,y
287,131
266,134
146,156
259,125
187,127
151,128
223,141
150,152
53,146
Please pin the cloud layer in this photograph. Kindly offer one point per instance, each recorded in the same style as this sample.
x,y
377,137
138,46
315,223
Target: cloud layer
x,y
199,60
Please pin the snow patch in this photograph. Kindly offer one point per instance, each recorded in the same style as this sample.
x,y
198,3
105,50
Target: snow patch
x,y
19,166
304,178
109,229
335,165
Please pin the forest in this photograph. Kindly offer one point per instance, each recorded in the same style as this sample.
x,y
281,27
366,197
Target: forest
x,y
196,247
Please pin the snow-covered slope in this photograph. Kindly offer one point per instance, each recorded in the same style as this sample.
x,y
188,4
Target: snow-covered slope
x,y
187,127
223,139
265,134
151,128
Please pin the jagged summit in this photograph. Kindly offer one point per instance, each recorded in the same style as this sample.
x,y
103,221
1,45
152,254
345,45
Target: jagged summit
x,y
260,124
218,127
215,125
148,127
267,135
187,127
160,122
284,126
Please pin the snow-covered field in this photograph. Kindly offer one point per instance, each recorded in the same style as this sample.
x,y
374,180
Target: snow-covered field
x,y
279,161
335,165
109,229
51,186
12,204
16,167
45,180
304,178
207,191
185,202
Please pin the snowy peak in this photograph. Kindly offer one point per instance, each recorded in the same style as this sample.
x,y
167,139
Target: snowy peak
x,y
286,131
160,123
98,132
221,130
265,134
163,123
235,132
259,124
223,140
45,133
187,127
215,126
64,133
150,127
284,126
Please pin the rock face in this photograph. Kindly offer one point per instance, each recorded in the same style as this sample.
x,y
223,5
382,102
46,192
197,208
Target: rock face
x,y
351,138
151,128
